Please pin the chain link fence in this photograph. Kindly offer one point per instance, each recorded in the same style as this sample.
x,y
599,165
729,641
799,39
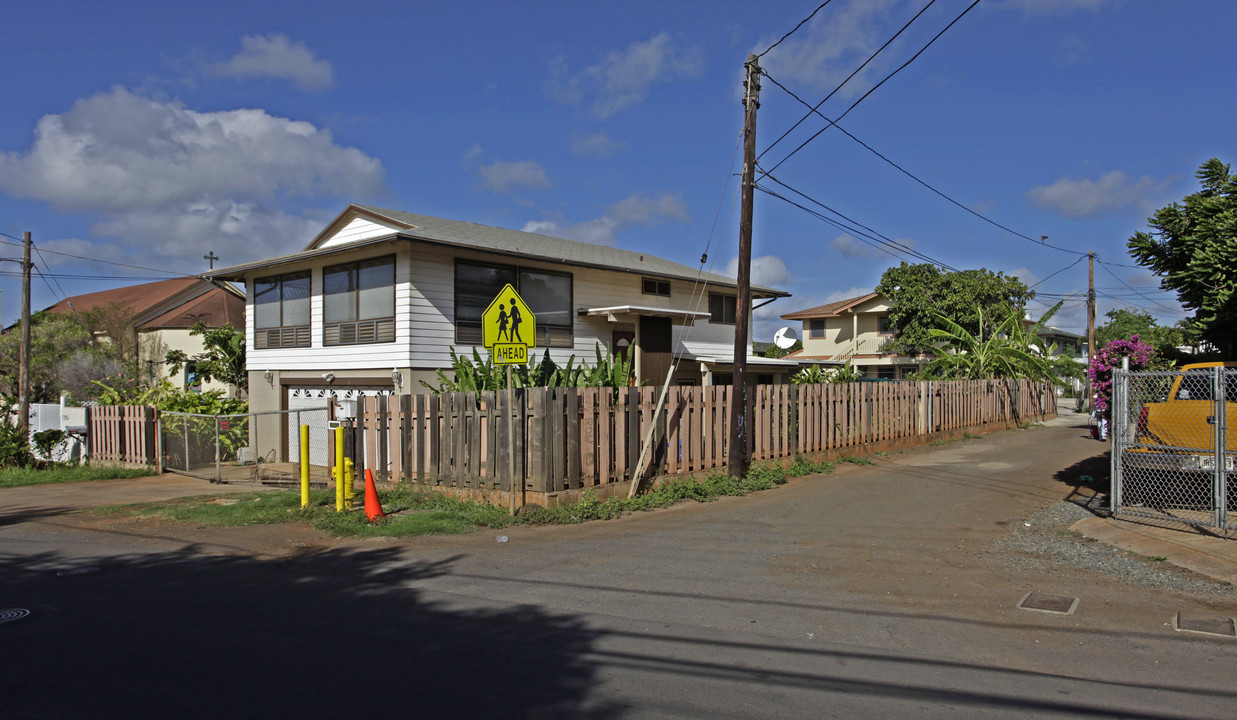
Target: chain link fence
x,y
252,447
1173,452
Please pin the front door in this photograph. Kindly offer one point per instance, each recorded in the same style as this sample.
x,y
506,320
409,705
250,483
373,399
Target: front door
x,y
653,341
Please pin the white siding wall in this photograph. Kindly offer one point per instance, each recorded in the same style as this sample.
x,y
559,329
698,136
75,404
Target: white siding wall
x,y
358,229
425,308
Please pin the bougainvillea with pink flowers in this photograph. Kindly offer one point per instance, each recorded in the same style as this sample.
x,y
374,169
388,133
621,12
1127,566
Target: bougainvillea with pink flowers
x,y
1107,359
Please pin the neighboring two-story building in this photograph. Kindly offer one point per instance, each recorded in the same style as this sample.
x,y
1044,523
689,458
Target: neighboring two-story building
x,y
376,302
854,330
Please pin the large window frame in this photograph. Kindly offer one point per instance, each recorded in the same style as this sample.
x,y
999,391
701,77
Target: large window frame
x,y
723,309
281,310
816,328
358,302
548,294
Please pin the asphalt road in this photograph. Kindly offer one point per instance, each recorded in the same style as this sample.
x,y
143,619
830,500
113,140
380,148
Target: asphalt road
x,y
872,592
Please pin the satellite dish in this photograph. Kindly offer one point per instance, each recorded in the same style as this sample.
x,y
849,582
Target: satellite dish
x,y
785,338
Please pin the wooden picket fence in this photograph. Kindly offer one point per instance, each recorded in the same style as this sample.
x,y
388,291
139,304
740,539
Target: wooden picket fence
x,y
572,439
122,434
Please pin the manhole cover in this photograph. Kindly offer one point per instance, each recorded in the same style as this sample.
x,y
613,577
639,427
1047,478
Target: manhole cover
x,y
78,571
1043,602
1210,625
11,614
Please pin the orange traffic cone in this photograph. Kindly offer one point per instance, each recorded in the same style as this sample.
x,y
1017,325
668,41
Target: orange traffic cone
x,y
373,508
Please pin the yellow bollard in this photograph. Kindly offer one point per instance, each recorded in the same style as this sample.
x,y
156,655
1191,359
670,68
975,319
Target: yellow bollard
x,y
339,469
349,482
304,466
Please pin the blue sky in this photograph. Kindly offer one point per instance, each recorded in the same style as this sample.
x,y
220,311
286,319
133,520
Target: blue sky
x,y
148,134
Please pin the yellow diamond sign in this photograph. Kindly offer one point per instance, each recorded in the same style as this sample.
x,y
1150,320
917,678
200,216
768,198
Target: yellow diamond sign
x,y
508,328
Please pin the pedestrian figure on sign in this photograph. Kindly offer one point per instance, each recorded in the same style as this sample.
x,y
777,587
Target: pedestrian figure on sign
x,y
514,333
502,323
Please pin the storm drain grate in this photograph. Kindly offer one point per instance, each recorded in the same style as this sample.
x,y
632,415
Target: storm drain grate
x,y
11,614
1208,624
1043,602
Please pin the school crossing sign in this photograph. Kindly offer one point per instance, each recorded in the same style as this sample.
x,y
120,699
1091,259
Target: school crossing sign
x,y
508,328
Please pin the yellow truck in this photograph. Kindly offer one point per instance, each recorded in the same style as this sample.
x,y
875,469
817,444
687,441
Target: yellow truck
x,y
1179,433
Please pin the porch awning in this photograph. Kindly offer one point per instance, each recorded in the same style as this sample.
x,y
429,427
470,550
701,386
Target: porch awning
x,y
614,313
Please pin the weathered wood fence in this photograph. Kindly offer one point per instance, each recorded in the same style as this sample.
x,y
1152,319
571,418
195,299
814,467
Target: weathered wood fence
x,y
122,434
571,439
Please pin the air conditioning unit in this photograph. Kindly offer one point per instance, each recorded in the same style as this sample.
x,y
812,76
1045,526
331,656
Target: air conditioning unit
x,y
245,456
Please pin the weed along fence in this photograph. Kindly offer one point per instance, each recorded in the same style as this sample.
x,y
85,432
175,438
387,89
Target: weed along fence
x,y
566,440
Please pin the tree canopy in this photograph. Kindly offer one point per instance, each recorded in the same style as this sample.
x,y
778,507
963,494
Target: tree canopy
x,y
921,294
1193,248
1124,324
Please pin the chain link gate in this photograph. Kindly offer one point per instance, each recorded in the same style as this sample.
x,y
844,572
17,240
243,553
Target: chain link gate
x,y
1173,452
251,447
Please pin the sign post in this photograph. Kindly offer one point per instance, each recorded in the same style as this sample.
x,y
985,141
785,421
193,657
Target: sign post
x,y
508,330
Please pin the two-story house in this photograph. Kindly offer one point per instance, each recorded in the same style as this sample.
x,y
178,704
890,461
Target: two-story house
x,y
375,303
856,330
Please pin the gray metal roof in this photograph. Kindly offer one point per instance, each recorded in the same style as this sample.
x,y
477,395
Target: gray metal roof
x,y
471,236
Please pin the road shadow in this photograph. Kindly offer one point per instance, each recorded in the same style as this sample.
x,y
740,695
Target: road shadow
x,y
1089,483
334,634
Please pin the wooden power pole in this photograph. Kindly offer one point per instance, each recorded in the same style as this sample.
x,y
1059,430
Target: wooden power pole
x,y
23,373
737,459
1090,322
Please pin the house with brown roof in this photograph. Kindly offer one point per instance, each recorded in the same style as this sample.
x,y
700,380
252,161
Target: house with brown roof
x,y
857,330
162,314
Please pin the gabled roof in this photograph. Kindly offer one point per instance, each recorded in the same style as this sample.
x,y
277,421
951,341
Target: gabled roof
x,y
175,303
483,238
833,309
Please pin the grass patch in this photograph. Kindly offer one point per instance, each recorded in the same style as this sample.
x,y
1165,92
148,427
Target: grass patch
x,y
855,460
413,512
1156,558
19,477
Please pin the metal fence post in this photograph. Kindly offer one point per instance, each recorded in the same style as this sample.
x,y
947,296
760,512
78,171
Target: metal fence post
x,y
1119,412
1219,491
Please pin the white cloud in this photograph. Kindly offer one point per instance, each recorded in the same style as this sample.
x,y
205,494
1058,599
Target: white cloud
x,y
767,270
1076,198
1072,50
171,180
826,50
1024,274
276,56
1055,7
596,145
471,154
638,209
623,77
505,177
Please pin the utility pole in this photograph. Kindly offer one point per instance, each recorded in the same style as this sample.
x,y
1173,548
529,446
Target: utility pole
x,y
23,374
1090,321
737,459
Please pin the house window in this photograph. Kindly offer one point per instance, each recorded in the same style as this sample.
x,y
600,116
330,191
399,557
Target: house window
x,y
653,286
882,325
281,311
358,302
547,294
887,372
722,308
816,328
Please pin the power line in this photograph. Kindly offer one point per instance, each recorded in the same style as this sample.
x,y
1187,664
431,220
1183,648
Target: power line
x,y
877,85
41,274
1067,267
874,235
796,28
848,78
1136,292
924,183
105,262
71,276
